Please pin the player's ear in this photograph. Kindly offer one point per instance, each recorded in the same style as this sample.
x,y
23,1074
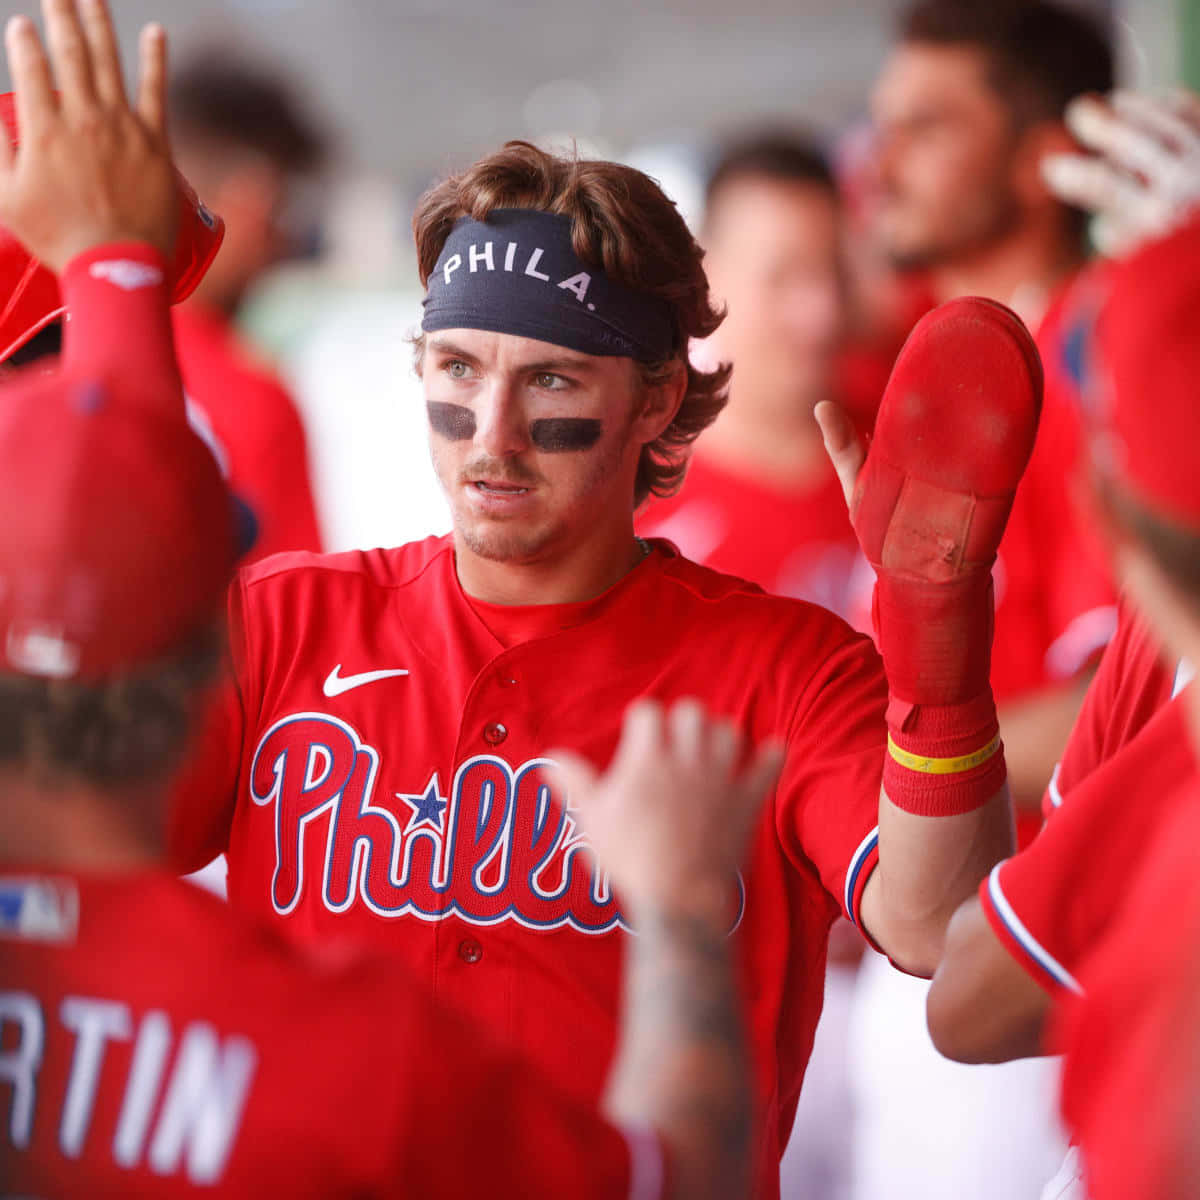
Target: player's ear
x,y
1037,143
658,403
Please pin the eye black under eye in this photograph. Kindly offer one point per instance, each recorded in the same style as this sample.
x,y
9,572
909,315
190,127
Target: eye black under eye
x,y
452,421
557,434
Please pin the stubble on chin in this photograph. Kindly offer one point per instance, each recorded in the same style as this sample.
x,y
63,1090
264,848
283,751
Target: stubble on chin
x,y
499,544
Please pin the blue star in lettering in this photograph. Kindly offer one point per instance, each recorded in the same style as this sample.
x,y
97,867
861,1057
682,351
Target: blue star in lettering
x,y
427,808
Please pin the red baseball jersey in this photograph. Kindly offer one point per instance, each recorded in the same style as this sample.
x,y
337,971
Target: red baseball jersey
x,y
791,541
1055,602
1055,902
1133,682
1132,1047
154,1044
248,418
377,773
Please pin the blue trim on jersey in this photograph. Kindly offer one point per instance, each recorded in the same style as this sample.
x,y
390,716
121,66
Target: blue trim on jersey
x,y
865,847
1037,953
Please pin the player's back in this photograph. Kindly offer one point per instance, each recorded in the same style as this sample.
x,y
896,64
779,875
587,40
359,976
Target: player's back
x,y
153,1045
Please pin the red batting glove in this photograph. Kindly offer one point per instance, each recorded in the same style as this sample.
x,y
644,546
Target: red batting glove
x,y
954,434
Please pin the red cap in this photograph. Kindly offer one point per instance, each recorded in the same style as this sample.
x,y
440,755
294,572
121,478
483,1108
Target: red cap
x,y
29,291
116,529
1147,412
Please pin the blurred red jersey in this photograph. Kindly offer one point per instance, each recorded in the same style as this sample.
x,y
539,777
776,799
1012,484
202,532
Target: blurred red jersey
x,y
794,542
1131,1079
249,420
1055,602
378,773
154,1044
1133,682
1056,901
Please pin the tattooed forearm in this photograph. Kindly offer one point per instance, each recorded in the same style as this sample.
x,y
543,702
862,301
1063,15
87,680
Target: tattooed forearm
x,y
683,1064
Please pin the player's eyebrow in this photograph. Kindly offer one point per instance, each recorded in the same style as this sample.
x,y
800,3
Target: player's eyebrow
x,y
447,347
577,366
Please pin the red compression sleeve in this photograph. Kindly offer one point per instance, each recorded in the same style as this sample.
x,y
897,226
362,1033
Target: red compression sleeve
x,y
117,299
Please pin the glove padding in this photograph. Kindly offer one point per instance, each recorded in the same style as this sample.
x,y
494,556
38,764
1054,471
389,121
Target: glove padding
x,y
951,442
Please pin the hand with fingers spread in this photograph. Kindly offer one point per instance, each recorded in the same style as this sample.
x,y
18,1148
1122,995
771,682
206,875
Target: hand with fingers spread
x,y
1142,177
669,821
91,167
670,818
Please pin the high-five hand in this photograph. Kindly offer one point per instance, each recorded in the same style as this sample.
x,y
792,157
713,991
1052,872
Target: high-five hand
x,y
670,818
91,167
1142,178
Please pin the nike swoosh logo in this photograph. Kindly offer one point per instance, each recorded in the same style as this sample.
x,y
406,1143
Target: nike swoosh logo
x,y
336,683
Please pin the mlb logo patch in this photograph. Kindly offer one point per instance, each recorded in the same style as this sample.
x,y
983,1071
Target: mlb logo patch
x,y
38,910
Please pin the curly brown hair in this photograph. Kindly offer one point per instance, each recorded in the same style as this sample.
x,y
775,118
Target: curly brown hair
x,y
623,223
113,733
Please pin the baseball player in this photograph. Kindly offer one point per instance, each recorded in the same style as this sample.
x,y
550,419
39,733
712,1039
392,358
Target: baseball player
x,y
761,499
970,100
1132,1037
154,1044
151,1043
378,766
1127,788
245,143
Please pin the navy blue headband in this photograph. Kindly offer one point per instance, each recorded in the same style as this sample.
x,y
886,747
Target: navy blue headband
x,y
517,273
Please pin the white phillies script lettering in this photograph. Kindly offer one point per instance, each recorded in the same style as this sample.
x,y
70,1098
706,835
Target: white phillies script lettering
x,y
201,1106
483,259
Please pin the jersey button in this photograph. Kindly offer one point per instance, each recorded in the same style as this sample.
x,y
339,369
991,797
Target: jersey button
x,y
469,950
494,733
507,681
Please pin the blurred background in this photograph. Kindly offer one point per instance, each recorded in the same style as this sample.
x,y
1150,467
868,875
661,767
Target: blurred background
x,y
403,91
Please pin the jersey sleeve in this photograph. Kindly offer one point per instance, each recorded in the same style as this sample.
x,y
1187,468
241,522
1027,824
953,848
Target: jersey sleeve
x,y
204,792
1054,902
828,796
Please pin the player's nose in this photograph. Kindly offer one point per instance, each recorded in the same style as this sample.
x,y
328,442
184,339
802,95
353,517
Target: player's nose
x,y
501,423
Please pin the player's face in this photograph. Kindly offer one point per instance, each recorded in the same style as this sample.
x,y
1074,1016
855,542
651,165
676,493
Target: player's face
x,y
536,446
946,155
773,258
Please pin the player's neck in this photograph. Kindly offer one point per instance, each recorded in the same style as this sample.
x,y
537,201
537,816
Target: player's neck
x,y
569,575
1021,270
76,829
781,442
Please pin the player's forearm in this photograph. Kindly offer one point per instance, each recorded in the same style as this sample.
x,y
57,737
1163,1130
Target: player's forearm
x,y
118,300
982,1007
682,1064
927,867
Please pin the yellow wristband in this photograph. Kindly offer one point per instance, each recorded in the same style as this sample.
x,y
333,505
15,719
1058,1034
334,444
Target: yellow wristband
x,y
943,766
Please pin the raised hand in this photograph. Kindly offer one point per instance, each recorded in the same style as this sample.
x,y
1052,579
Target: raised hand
x,y
670,818
91,167
1143,177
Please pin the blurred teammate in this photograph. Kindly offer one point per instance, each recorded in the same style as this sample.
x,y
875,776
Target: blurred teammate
x,y
761,499
244,141
378,767
1050,926
969,103
151,1042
